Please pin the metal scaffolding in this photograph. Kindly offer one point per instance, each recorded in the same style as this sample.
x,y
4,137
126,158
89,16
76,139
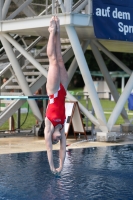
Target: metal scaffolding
x,y
29,21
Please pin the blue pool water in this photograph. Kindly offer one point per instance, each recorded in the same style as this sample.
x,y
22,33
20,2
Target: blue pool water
x,y
90,173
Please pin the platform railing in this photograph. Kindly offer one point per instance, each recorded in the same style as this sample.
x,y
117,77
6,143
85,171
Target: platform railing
x,y
59,6
50,7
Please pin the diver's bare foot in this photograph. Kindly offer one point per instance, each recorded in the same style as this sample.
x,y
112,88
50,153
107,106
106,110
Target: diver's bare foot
x,y
52,26
57,23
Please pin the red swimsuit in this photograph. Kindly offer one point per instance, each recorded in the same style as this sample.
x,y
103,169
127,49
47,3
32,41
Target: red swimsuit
x,y
56,107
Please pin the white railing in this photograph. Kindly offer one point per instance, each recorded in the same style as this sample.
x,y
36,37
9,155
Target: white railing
x,y
50,7
58,6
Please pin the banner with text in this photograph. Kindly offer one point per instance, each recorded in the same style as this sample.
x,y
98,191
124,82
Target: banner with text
x,y
113,19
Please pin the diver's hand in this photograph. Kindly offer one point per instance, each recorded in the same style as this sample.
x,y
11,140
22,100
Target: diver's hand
x,y
56,172
59,169
53,170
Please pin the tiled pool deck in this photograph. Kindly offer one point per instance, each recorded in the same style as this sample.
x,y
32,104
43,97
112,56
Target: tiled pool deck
x,y
25,142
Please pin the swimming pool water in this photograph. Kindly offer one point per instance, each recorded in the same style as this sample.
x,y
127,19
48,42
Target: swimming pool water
x,y
90,173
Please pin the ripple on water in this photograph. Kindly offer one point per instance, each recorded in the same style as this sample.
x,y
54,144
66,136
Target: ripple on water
x,y
91,173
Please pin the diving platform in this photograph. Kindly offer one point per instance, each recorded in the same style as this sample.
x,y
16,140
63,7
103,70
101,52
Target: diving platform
x,y
83,24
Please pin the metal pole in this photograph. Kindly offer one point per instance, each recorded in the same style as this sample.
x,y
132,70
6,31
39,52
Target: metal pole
x,y
53,4
22,81
112,57
5,8
46,100
1,6
87,107
89,7
10,123
122,84
13,37
62,6
19,119
46,7
107,77
57,7
20,55
92,125
86,74
68,5
120,104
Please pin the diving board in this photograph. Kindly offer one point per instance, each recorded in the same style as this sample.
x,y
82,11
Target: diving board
x,y
25,97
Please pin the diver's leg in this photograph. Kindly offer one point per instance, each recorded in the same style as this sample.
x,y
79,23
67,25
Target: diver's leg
x,y
63,72
53,78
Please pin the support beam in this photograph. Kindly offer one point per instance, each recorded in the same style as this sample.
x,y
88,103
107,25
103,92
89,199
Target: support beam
x,y
21,79
46,7
112,57
15,37
107,77
19,9
61,6
122,83
80,7
31,24
121,102
89,7
74,63
1,6
68,5
5,8
20,55
86,75
25,54
27,11
53,7
84,110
